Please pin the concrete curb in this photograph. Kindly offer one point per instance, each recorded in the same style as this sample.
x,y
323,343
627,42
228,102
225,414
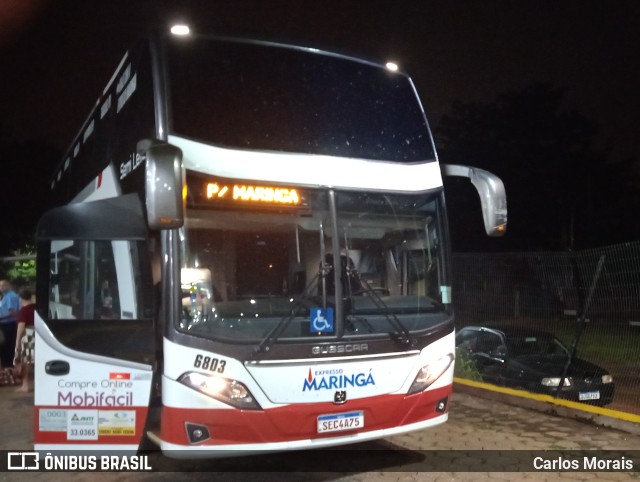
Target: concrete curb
x,y
542,403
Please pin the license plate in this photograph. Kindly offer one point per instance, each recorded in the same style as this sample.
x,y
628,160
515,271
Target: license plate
x,y
338,422
589,395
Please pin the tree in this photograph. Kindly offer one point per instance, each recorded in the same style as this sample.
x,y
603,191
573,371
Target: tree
x,y
616,206
20,267
543,152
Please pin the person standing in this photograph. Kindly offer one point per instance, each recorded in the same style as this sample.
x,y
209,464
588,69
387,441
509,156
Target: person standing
x,y
25,339
9,307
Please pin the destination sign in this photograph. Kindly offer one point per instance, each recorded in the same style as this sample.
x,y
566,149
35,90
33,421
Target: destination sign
x,y
252,194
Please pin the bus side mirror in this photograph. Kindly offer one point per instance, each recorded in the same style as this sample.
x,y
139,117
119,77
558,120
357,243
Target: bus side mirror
x,y
493,198
164,184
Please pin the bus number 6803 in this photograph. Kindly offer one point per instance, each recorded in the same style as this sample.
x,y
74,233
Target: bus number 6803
x,y
208,363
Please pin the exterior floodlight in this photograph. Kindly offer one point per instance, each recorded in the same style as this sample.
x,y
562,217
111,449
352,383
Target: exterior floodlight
x,y
180,30
392,66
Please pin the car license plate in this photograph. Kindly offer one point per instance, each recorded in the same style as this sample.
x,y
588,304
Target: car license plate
x,y
337,422
589,395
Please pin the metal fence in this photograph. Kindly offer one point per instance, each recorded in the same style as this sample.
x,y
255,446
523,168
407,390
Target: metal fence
x,y
549,291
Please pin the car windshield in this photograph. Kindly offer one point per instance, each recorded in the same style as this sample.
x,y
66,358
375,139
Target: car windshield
x,y
249,95
535,344
247,269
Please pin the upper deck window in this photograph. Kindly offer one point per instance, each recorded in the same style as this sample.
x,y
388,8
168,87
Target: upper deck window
x,y
263,97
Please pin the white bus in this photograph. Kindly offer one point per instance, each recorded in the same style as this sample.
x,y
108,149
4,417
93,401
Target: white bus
x,y
249,253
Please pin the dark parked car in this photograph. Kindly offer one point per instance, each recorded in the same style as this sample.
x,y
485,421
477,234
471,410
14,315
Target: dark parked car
x,y
534,361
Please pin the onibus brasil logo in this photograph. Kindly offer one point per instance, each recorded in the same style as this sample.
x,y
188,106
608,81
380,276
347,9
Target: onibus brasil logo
x,y
331,379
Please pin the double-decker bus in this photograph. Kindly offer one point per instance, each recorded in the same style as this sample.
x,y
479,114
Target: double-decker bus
x,y
249,251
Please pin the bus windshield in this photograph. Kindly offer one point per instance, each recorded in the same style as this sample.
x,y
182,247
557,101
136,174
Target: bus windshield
x,y
246,270
249,95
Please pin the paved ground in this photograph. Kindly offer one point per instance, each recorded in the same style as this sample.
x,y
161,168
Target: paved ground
x,y
474,424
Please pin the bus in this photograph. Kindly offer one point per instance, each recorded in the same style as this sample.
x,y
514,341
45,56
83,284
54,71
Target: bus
x,y
247,251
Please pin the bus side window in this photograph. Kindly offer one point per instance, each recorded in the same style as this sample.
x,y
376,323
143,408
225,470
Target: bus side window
x,y
105,287
64,280
128,261
94,280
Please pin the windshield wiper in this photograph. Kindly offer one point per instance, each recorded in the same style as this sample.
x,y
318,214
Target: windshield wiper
x,y
281,325
323,272
403,336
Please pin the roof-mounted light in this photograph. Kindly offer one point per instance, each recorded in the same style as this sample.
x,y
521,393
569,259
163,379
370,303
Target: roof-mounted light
x,y
392,66
180,29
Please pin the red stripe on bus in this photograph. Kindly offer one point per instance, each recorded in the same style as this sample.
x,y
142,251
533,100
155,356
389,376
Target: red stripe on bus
x,y
298,421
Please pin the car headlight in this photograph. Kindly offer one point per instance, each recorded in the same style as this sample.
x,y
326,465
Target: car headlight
x,y
231,392
555,381
607,379
430,373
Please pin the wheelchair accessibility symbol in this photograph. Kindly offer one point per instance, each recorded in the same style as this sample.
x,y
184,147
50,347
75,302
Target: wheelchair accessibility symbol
x,y
321,320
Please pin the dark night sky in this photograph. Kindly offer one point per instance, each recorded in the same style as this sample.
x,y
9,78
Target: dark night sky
x,y
56,56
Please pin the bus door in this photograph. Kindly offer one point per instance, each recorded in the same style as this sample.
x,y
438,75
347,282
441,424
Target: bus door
x,y
94,326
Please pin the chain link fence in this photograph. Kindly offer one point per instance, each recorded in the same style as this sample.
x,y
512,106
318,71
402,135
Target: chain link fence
x,y
549,291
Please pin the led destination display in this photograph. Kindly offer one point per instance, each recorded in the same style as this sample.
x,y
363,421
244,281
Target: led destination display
x,y
230,193
256,194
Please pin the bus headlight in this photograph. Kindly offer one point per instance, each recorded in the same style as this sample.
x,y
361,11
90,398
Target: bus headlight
x,y
430,373
231,392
